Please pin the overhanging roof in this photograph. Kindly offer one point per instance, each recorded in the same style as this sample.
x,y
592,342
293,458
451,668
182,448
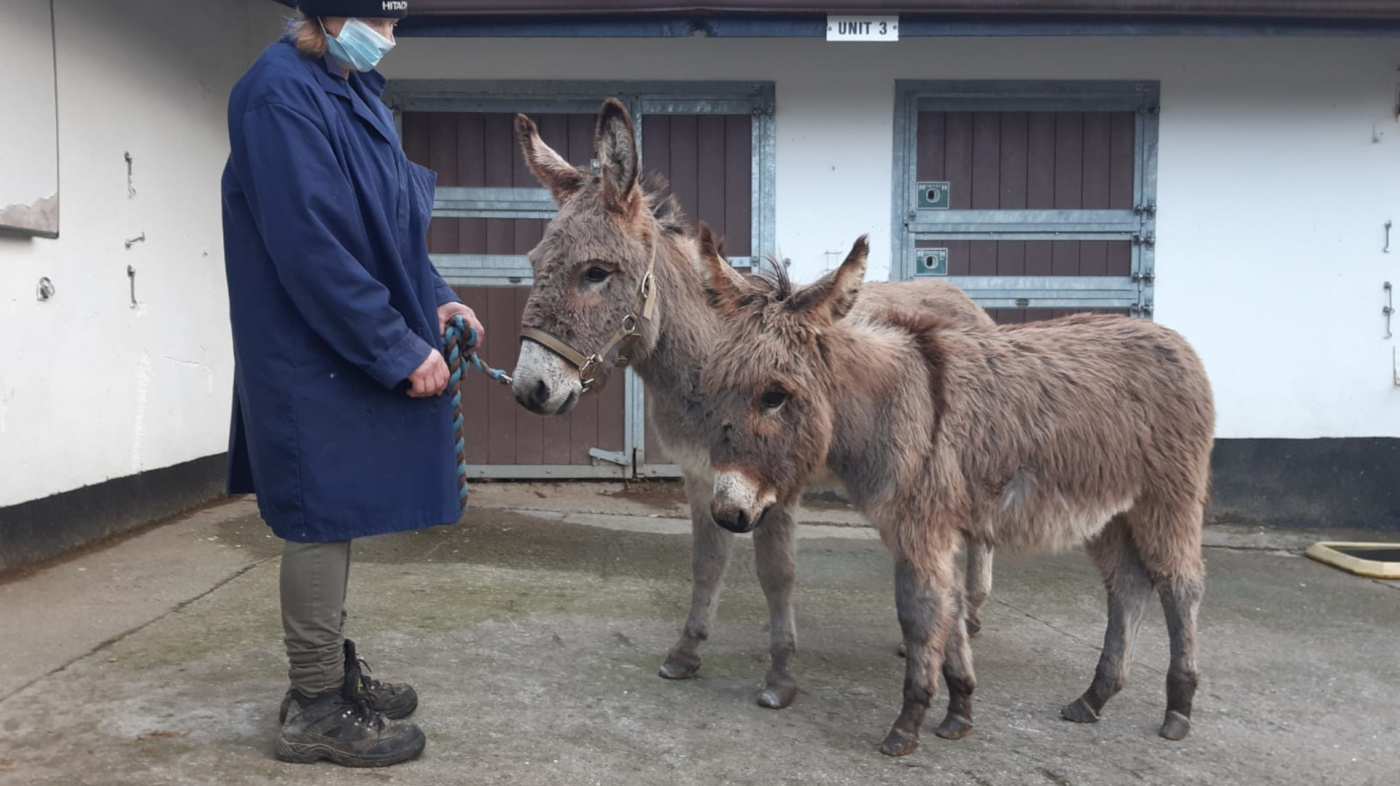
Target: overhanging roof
x,y
806,18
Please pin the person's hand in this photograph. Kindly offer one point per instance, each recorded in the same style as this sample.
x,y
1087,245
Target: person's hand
x,y
447,311
430,379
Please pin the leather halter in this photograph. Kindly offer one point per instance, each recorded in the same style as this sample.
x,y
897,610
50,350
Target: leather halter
x,y
624,338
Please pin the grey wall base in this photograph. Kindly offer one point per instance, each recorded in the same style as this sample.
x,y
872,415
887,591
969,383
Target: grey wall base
x,y
32,532
1308,483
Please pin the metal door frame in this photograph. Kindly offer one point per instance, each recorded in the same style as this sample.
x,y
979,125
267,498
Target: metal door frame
x,y
642,98
910,223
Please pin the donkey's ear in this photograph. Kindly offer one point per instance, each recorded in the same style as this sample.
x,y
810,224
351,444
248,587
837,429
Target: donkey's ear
x,y
722,282
615,144
834,294
554,173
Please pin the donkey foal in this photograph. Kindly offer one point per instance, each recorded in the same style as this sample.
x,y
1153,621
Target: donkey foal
x,y
1086,429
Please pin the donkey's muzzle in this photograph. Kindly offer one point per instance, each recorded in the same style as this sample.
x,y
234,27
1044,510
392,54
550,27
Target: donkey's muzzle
x,y
734,519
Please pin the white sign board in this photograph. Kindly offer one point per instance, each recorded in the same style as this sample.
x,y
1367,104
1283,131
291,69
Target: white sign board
x,y
862,28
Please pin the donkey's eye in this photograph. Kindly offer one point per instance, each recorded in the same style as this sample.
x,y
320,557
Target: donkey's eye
x,y
773,399
596,275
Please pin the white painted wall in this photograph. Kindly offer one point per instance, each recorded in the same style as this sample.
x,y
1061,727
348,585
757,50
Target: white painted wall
x,y
91,388
1272,192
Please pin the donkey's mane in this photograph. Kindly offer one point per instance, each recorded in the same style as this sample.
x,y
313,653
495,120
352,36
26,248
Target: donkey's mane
x,y
664,207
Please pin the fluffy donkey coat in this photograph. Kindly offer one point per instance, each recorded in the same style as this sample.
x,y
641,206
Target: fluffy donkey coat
x,y
611,228
1088,429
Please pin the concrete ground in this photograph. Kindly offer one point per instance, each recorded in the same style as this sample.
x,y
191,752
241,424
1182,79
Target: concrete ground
x,y
534,629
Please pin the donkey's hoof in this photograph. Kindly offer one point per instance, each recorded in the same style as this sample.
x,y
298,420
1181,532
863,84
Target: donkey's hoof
x,y
974,625
776,697
901,650
899,744
954,727
1079,712
1175,727
676,668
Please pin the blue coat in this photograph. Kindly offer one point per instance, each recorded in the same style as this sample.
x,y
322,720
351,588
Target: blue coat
x,y
333,303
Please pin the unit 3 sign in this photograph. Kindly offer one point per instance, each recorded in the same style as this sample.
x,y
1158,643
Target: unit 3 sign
x,y
862,28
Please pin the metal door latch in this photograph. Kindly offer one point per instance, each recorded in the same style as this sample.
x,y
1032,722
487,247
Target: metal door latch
x,y
1389,308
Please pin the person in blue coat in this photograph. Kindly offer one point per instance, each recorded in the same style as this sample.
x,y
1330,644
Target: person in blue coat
x,y
340,426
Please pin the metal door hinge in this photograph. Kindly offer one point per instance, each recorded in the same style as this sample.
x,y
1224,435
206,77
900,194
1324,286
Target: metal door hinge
x,y
1148,209
1143,309
1148,239
1147,277
611,456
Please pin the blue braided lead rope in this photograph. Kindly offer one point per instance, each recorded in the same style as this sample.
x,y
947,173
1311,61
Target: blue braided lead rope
x,y
459,343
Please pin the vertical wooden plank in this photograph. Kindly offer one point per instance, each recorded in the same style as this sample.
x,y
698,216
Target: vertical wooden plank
x,y
709,152
583,428
656,144
475,394
1122,158
415,137
986,160
1038,258
1038,314
503,348
1012,168
580,146
471,173
501,320
1093,258
685,156
499,167
982,258
1040,161
1097,152
554,131
612,411
1009,316
957,160
1064,258
1118,258
1011,258
1069,160
443,236
929,146
738,184
959,255
527,232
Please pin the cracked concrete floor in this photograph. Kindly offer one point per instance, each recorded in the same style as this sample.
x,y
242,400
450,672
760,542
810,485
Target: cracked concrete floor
x,y
533,631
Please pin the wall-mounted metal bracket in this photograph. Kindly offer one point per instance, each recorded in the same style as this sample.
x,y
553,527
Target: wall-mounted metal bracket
x,y
1389,308
138,239
618,457
131,274
45,289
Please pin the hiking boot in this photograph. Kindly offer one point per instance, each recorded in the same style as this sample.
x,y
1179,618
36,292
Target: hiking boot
x,y
394,701
339,726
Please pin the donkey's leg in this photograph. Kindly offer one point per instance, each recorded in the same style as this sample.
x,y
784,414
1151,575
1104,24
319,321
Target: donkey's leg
x,y
775,547
925,599
1171,549
979,586
1129,590
957,672
710,548
1181,599
979,583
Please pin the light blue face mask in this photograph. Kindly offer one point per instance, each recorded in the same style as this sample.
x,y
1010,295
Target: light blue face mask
x,y
358,46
